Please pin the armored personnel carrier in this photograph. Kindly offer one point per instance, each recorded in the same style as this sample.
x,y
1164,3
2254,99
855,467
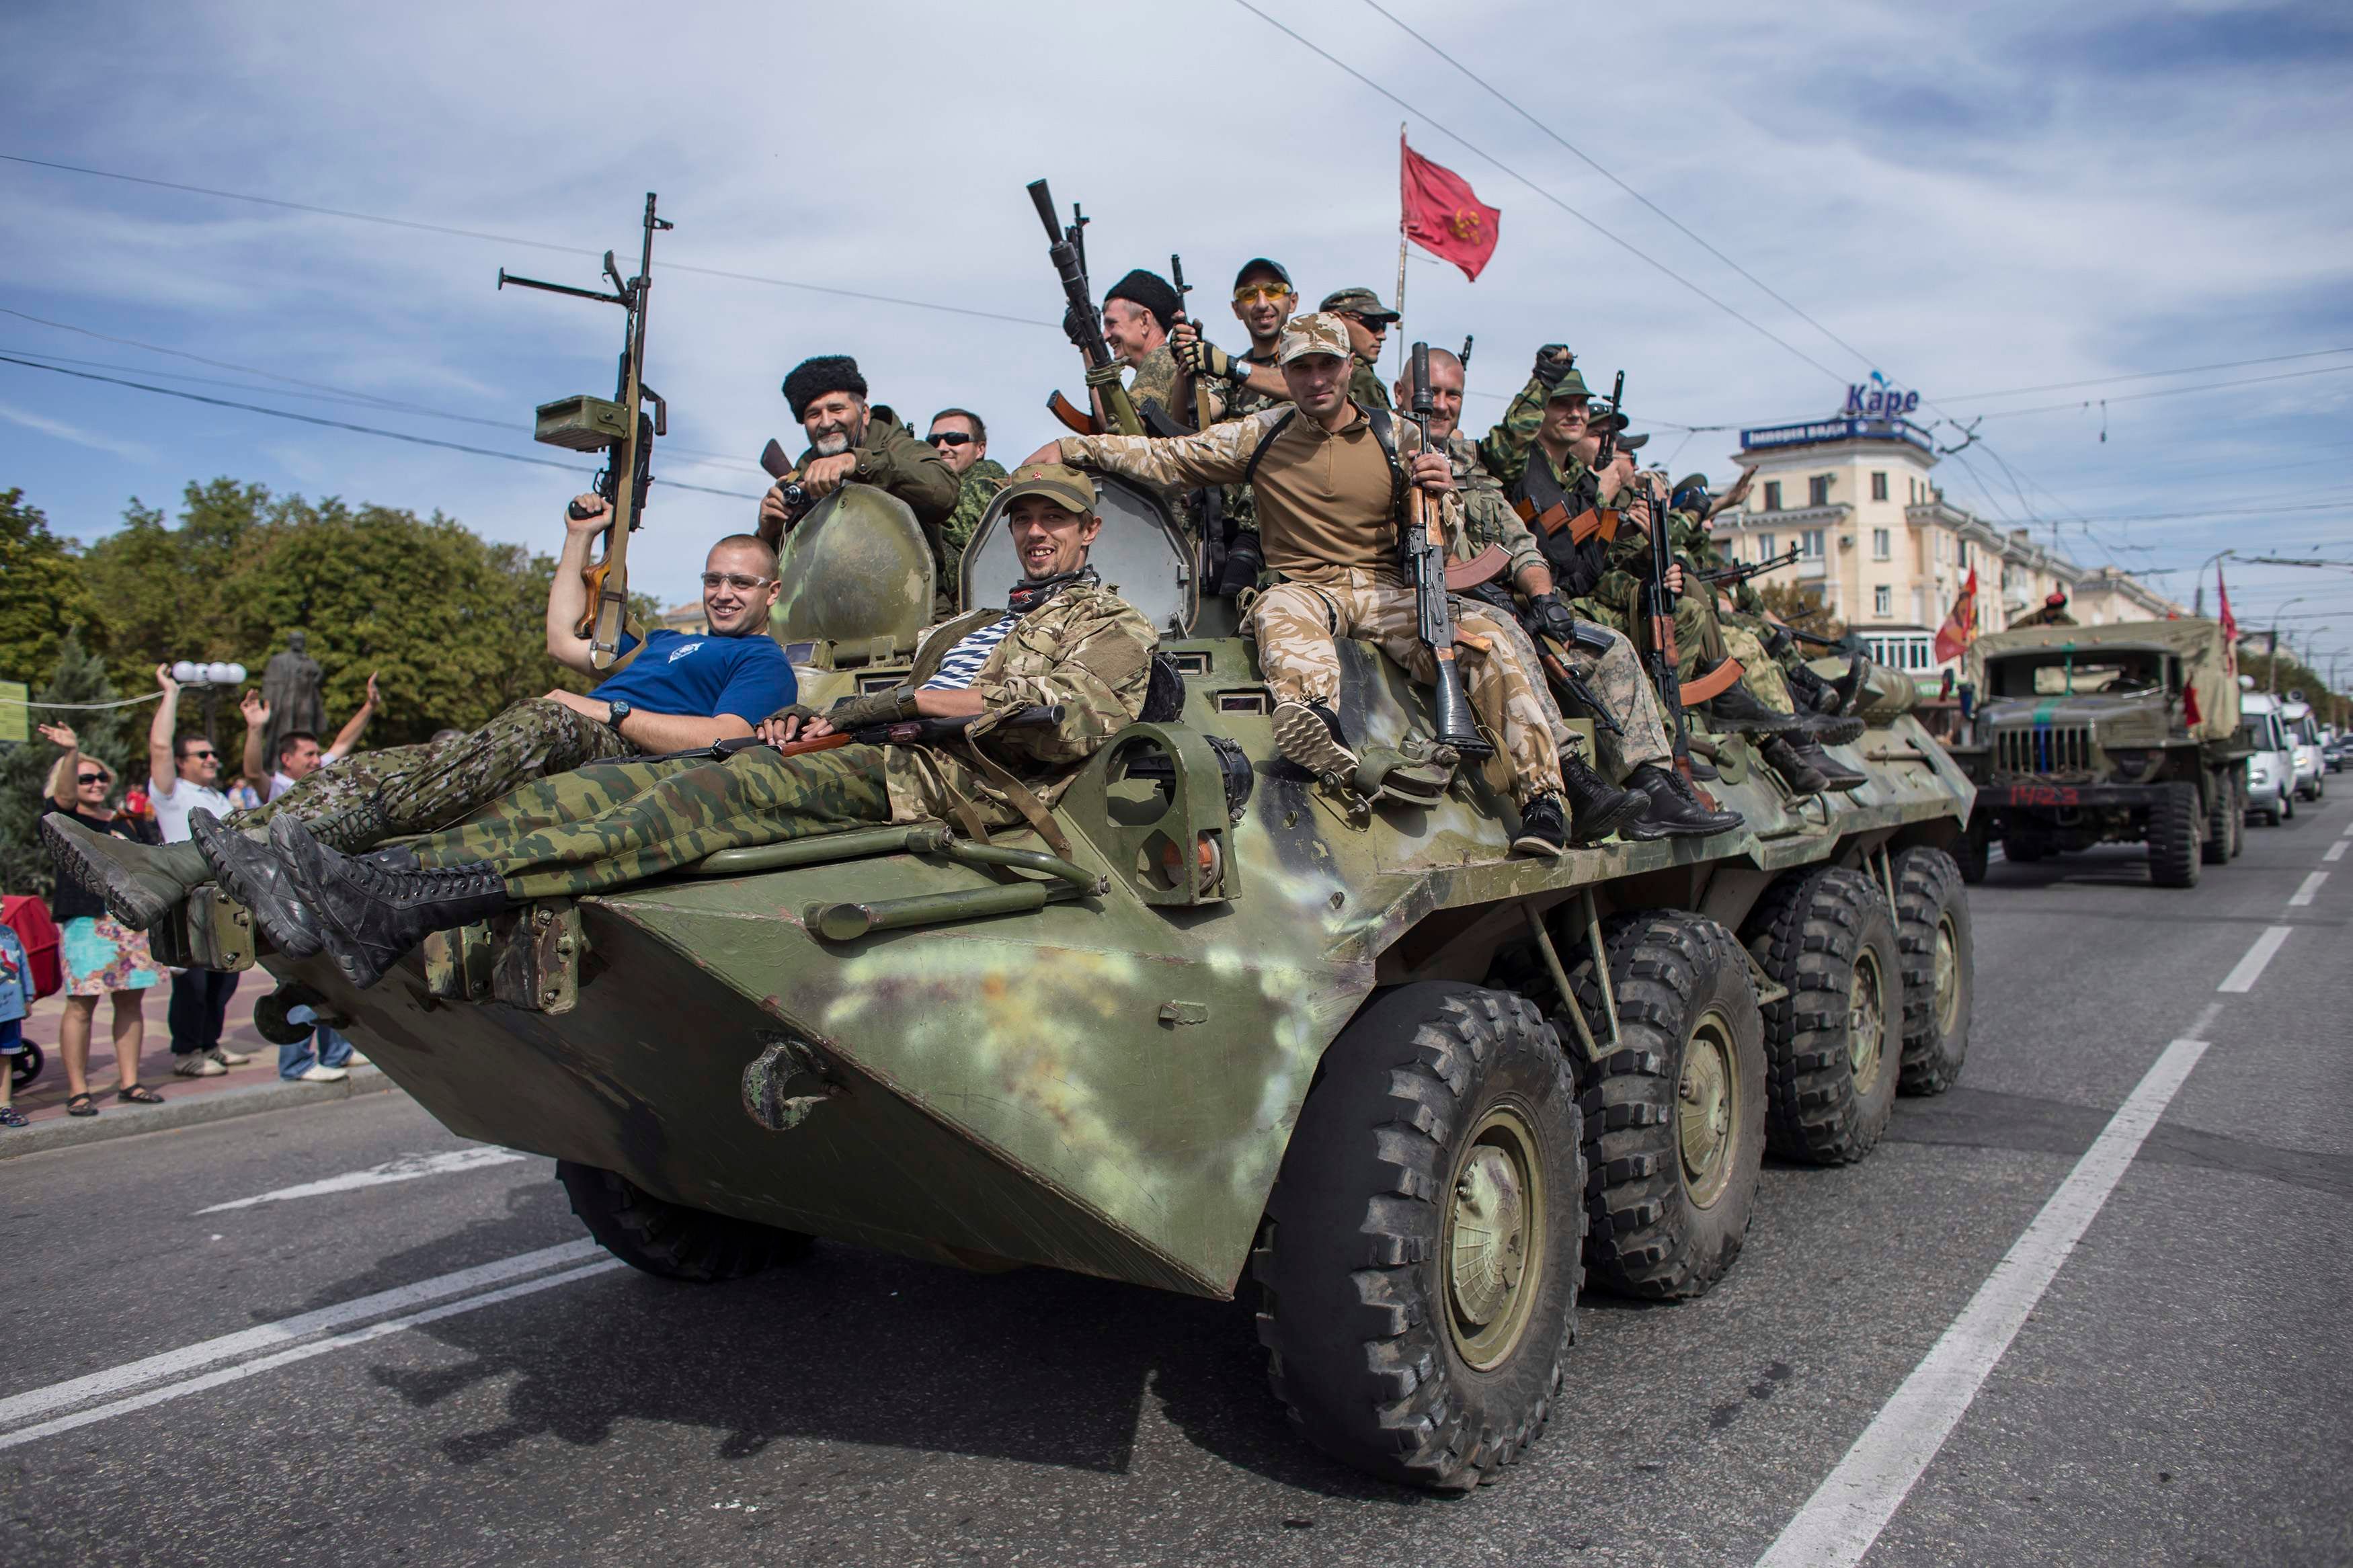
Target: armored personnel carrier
x,y
1247,1033
2123,733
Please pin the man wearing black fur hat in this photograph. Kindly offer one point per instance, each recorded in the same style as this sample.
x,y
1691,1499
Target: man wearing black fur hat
x,y
1138,311
847,442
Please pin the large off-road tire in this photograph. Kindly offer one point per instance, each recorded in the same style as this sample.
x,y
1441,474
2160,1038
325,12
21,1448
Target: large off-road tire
x,y
2238,793
1675,1117
1938,963
1419,1263
2221,809
1970,853
1832,1045
2173,855
671,1239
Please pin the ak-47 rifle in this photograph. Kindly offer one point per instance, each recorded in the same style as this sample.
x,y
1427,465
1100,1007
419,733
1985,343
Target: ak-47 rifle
x,y
587,424
898,732
1085,327
1425,562
1203,409
1660,600
1732,577
1465,355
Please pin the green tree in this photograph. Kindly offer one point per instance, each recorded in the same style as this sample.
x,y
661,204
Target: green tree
x,y
113,735
42,600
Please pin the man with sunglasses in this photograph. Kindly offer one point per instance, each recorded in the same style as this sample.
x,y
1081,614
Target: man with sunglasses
x,y
1368,322
962,441
183,775
1263,300
680,691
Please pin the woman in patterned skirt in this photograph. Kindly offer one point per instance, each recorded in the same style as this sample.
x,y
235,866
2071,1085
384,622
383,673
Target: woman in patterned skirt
x,y
103,957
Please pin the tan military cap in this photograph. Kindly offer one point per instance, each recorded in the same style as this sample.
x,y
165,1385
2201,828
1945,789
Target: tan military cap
x,y
1311,332
1358,301
1058,482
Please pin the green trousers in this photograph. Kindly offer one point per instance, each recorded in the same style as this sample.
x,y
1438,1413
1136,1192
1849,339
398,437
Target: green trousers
x,y
609,824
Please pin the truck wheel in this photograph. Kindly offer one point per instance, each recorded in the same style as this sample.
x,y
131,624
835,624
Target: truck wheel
x,y
1674,1119
2222,808
2021,845
1970,854
1833,1044
1938,960
2173,836
1417,1266
671,1239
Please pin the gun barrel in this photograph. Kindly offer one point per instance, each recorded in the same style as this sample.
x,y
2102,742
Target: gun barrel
x,y
1044,201
1424,401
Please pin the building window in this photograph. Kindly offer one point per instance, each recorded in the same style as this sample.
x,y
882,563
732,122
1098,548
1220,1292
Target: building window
x,y
1961,553
1817,490
1878,487
1882,600
1809,545
1772,495
1879,544
1765,550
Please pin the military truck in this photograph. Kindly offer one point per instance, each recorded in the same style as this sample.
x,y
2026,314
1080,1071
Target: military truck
x,y
1240,1031
2124,733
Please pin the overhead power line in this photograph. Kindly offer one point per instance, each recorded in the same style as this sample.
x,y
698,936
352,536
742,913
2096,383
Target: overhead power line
x,y
2144,376
424,228
2165,391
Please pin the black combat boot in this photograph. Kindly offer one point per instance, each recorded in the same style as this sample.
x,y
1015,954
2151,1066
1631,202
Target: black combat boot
x,y
1543,829
1596,807
352,829
258,879
1850,684
1810,689
368,915
1797,772
1674,808
1309,734
1737,708
1835,774
142,883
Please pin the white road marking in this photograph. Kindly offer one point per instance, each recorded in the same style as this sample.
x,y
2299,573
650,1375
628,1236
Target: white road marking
x,y
2303,895
286,1331
406,1168
1847,1510
154,1396
2249,969
2336,851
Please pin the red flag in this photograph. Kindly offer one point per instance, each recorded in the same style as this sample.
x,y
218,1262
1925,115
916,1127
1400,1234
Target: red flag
x,y
2230,627
1444,216
1960,627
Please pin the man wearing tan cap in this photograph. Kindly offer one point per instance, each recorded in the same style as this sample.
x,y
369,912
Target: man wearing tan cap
x,y
1062,643
1331,478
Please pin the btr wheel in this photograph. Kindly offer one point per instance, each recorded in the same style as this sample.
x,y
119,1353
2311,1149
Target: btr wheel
x,y
1939,963
1675,1117
671,1239
1417,1266
1832,1045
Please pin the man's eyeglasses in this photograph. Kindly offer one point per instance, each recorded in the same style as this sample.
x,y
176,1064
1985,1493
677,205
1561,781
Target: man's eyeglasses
x,y
91,778
207,755
950,438
735,580
1270,292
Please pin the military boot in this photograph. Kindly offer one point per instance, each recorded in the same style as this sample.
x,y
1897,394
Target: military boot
x,y
1309,734
368,915
1672,808
1796,772
352,829
258,879
1850,686
1596,807
1543,829
142,883
1737,708
1836,774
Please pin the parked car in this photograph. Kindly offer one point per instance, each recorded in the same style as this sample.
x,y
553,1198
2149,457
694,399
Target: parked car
x,y
2271,772
2303,735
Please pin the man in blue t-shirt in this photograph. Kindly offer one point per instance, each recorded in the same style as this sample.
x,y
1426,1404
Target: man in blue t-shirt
x,y
680,689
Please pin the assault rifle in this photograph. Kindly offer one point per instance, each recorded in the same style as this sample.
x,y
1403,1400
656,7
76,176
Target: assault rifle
x,y
1732,577
1085,327
622,427
1425,562
899,733
1201,404
1660,600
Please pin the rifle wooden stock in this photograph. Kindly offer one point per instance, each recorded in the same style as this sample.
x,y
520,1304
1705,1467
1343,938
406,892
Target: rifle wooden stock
x,y
772,460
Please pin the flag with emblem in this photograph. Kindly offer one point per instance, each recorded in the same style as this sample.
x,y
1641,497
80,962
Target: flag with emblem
x,y
1960,627
2230,625
1444,216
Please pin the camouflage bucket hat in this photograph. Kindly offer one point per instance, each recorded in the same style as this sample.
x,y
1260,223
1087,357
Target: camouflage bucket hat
x,y
1572,384
1360,302
1312,332
1058,482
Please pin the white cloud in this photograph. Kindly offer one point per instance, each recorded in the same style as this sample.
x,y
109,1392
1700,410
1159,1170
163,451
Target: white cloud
x,y
79,437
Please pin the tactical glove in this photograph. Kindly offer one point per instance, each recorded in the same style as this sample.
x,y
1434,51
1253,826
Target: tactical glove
x,y
1553,360
1553,616
1077,328
873,707
1204,358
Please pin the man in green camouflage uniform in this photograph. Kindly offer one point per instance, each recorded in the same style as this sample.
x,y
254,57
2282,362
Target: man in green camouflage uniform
x,y
962,441
852,442
1246,383
1368,322
1742,611
1065,644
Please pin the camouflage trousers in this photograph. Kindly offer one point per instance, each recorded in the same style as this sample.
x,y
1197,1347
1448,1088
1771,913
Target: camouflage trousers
x,y
1702,642
371,797
1297,625
613,823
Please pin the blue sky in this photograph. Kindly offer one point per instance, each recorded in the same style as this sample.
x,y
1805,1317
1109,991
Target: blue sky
x,y
1975,199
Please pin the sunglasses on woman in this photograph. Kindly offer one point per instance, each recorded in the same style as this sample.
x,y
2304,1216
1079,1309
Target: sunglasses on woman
x,y
92,778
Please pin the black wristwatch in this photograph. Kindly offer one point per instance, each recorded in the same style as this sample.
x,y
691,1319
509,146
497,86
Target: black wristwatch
x,y
616,711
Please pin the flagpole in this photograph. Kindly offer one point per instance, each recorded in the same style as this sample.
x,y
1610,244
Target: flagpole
x,y
1400,288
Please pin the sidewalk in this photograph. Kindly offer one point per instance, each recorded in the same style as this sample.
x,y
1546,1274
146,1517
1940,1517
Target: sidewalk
x,y
186,1099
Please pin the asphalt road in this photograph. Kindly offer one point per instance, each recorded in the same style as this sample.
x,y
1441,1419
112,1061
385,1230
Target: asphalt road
x,y
2179,1395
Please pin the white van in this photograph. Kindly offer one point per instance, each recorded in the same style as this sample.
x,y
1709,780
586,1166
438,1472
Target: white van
x,y
2271,772
2303,735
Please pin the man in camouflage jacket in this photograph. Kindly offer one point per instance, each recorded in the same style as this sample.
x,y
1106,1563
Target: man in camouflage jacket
x,y
851,443
1063,643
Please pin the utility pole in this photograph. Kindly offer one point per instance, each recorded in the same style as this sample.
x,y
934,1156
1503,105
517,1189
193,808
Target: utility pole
x,y
2272,673
2198,609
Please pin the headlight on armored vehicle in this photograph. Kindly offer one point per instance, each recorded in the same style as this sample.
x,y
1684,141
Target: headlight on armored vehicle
x,y
2134,764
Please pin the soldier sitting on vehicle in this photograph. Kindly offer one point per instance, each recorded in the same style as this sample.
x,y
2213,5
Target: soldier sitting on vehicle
x,y
2053,613
684,689
1065,644
849,442
1331,480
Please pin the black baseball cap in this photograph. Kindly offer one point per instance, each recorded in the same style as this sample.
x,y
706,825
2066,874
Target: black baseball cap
x,y
1257,265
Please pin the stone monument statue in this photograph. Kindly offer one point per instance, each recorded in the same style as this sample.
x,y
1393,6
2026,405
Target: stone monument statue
x,y
289,685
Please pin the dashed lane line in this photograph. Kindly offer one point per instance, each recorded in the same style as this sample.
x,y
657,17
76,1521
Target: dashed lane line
x,y
2249,969
265,1337
2311,888
1839,1523
2337,850
171,1391
406,1168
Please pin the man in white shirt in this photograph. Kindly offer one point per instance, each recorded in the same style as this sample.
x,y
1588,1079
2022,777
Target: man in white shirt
x,y
183,774
299,755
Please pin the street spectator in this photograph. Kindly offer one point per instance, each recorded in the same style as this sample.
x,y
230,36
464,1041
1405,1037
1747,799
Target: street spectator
x,y
182,771
333,1056
299,755
241,793
15,1000
103,957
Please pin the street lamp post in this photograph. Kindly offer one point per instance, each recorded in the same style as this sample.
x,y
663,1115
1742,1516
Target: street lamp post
x,y
2272,676
208,681
2199,608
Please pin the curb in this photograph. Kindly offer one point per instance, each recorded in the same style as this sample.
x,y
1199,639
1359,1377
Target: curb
x,y
128,1121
